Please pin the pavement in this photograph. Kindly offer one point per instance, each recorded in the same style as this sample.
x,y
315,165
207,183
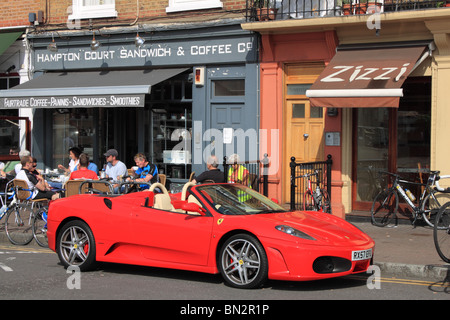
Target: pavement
x,y
403,251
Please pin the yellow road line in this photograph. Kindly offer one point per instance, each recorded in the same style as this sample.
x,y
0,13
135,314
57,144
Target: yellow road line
x,y
25,249
443,284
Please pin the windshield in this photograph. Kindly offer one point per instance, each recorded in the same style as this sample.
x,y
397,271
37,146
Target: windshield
x,y
235,199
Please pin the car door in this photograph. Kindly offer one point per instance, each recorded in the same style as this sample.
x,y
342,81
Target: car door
x,y
172,236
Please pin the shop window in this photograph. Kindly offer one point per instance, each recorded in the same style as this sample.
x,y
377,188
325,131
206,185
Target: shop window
x,y
316,113
298,89
72,128
395,140
227,88
186,5
7,83
168,127
86,9
13,131
298,110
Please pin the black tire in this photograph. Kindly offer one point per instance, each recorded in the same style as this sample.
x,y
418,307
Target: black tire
x,y
242,261
40,227
384,208
308,202
75,245
431,204
18,225
326,203
441,232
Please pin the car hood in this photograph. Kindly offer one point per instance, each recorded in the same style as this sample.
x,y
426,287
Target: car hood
x,y
323,227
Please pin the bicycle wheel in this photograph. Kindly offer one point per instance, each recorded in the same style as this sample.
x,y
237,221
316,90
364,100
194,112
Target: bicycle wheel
x,y
325,202
40,227
308,202
441,232
384,208
430,206
18,225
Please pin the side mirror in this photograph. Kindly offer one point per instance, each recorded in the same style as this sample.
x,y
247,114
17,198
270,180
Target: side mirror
x,y
192,207
274,200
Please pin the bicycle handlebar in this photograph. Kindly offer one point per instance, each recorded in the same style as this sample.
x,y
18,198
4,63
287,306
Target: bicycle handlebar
x,y
306,175
439,188
399,178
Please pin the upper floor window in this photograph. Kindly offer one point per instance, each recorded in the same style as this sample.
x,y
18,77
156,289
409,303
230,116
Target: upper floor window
x,y
186,5
86,9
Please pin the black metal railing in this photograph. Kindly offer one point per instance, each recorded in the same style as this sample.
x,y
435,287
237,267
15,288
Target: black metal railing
x,y
257,173
299,184
259,10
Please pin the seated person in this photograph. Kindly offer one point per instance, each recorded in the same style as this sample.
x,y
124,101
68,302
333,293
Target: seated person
x,y
10,165
115,169
82,171
91,166
237,173
18,165
213,173
36,183
146,172
74,154
35,172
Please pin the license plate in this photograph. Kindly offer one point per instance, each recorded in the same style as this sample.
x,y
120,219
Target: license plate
x,y
361,255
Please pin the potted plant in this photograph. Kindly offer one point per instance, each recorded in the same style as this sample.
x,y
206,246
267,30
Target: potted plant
x,y
366,6
265,9
443,4
347,7
361,7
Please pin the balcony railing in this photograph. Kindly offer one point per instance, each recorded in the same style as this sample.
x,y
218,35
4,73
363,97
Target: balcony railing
x,y
264,10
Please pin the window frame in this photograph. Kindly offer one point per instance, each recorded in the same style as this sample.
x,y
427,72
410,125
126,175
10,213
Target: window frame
x,y
187,5
79,11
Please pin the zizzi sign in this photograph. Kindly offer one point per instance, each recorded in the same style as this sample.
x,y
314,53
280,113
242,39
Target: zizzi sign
x,y
73,101
352,73
239,49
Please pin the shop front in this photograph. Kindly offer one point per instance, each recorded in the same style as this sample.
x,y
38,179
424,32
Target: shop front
x,y
373,101
384,87
133,98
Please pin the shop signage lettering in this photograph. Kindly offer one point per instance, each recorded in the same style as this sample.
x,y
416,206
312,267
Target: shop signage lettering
x,y
361,73
74,101
155,54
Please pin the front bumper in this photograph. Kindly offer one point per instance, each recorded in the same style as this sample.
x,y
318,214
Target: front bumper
x,y
289,261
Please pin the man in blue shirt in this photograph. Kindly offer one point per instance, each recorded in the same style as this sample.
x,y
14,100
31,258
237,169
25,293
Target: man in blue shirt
x,y
146,172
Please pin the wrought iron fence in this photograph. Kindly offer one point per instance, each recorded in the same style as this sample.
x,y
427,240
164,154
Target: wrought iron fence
x,y
299,184
263,10
257,173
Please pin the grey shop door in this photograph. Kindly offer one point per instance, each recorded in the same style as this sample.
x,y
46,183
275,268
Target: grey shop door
x,y
233,119
228,121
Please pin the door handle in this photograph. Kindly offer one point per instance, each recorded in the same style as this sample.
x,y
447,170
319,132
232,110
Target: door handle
x,y
305,135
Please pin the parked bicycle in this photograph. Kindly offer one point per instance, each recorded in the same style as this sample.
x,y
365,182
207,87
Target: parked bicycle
x,y
317,199
385,205
40,226
441,232
23,218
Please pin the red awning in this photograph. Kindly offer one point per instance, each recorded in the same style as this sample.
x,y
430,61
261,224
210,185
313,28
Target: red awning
x,y
365,77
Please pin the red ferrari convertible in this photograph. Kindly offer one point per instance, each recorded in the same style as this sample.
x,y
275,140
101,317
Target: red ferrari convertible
x,y
211,228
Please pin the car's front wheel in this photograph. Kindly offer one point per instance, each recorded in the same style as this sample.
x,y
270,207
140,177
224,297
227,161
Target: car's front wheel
x,y
243,262
76,245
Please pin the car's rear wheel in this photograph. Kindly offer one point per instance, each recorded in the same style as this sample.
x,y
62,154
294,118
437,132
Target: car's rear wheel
x,y
76,245
243,262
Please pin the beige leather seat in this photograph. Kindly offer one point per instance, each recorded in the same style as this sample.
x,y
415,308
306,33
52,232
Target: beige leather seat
x,y
192,199
162,200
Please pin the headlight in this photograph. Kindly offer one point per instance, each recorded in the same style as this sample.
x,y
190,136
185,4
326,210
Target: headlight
x,y
294,232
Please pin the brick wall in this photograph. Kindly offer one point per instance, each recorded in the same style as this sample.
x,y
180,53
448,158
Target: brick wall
x,y
15,12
